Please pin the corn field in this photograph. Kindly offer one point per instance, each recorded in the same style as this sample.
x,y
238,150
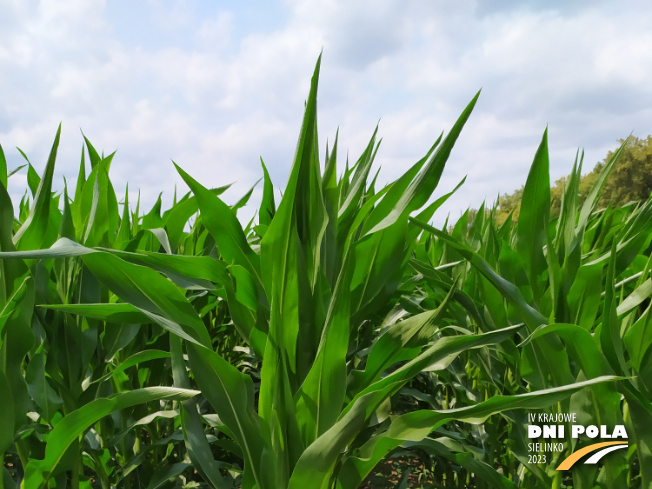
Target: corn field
x,y
183,348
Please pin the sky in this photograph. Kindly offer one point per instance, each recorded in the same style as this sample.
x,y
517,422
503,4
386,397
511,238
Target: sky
x,y
215,86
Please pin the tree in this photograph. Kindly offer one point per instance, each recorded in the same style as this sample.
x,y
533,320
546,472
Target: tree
x,y
630,180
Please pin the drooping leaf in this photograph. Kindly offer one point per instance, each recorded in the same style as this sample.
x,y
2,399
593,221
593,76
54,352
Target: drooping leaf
x,y
76,423
417,425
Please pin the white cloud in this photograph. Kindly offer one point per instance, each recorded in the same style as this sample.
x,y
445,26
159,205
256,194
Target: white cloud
x,y
214,91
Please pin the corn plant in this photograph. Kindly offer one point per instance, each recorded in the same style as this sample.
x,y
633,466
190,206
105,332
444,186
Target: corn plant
x,y
285,353
588,255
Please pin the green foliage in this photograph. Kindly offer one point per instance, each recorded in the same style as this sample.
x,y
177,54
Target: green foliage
x,y
303,350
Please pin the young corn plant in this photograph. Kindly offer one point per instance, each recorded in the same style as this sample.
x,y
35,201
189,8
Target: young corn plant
x,y
290,344
588,255
54,363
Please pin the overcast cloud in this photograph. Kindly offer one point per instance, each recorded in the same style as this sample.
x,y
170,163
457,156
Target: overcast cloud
x,y
216,85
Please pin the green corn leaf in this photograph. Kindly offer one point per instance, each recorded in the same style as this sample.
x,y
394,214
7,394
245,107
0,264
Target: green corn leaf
x,y
162,238
22,153
194,435
547,359
231,394
318,461
79,188
202,271
137,285
315,467
33,233
147,290
67,228
402,341
444,282
172,472
356,189
417,425
320,398
378,258
267,206
153,218
331,191
462,456
76,423
11,271
186,271
124,231
592,199
640,416
163,414
93,156
224,226
7,413
39,388
426,214
290,255
565,233
244,199
3,168
99,208
440,354
33,180
638,339
15,170
177,217
581,345
189,272
610,335
531,316
397,189
532,227
62,248
421,188
16,340
584,296
637,297
135,359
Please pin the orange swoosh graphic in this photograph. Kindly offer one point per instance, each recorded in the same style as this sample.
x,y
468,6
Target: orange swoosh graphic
x,y
575,456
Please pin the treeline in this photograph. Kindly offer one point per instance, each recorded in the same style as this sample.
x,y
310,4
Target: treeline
x,y
631,180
